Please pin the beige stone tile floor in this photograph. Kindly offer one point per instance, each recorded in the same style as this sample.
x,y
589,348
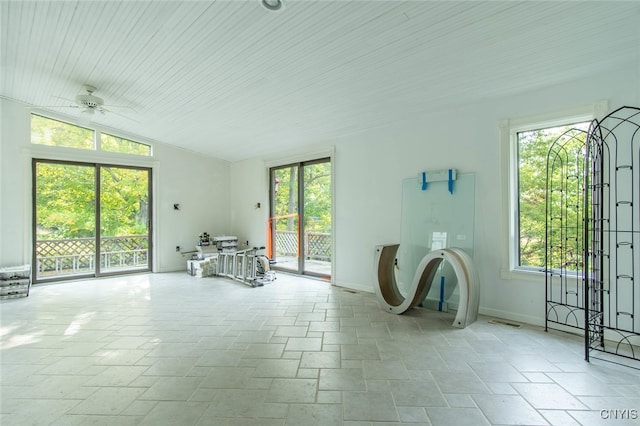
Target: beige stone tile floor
x,y
171,349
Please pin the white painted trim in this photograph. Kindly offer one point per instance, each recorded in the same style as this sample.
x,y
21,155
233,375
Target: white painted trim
x,y
513,316
356,287
300,157
173,269
62,153
98,128
155,219
28,154
333,216
522,275
508,160
87,156
27,205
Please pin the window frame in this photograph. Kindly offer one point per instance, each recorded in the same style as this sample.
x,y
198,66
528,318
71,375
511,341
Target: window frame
x,y
100,134
302,156
508,130
94,146
98,186
97,138
300,202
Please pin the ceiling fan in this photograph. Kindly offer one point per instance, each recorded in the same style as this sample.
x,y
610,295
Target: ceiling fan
x,y
89,103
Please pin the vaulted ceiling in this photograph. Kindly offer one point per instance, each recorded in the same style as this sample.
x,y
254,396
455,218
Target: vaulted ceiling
x,y
233,80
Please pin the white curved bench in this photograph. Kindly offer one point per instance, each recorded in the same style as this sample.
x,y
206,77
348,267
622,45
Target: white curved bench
x,y
393,302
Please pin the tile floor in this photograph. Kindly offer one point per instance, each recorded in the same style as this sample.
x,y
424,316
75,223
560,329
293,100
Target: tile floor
x,y
170,349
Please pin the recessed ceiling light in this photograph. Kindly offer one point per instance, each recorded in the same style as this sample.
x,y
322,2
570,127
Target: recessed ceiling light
x,y
272,4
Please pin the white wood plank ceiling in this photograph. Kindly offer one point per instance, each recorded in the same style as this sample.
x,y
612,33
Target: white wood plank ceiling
x,y
233,80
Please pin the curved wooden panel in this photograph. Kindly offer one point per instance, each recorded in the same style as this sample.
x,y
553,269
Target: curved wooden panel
x,y
392,300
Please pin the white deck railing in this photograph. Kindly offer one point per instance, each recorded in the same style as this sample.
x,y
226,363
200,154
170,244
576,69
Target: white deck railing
x,y
317,245
76,256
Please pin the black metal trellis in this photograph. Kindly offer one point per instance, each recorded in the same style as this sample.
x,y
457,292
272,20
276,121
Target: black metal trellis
x,y
592,261
564,242
612,261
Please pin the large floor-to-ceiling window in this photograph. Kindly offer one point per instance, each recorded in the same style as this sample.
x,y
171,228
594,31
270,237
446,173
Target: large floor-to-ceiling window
x,y
89,218
300,217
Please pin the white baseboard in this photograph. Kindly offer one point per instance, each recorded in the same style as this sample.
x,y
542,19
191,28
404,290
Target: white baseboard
x,y
176,268
432,304
513,316
356,287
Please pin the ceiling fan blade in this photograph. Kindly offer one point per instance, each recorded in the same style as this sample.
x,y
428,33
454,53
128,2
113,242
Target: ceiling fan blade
x,y
64,99
119,107
110,111
52,106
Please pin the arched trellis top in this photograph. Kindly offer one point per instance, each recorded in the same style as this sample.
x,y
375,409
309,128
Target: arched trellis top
x,y
593,262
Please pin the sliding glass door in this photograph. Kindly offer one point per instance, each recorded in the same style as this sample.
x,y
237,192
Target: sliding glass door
x,y
300,238
285,218
65,219
90,219
124,218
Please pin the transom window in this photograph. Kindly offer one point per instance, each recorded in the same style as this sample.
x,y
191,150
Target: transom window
x,y
124,146
51,132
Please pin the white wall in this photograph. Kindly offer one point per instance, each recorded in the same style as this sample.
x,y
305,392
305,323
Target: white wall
x,y
370,167
14,213
199,184
368,170
249,186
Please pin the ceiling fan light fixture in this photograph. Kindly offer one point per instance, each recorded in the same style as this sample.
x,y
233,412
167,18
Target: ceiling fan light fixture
x,y
89,101
272,5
